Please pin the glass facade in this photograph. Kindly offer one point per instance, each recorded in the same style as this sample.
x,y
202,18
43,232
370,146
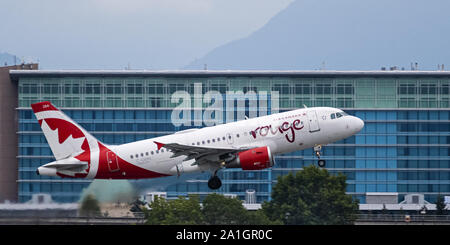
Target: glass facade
x,y
404,146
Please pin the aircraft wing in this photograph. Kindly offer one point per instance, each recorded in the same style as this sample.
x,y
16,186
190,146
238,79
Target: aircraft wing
x,y
200,154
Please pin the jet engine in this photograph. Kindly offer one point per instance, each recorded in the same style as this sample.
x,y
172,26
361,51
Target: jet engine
x,y
253,159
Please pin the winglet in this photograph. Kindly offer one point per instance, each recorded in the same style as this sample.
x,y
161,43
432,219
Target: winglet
x,y
159,145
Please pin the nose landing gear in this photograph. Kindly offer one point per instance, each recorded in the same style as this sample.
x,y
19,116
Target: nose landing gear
x,y
317,149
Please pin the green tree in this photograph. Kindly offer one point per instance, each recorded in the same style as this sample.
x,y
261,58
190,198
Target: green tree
x,y
217,210
89,206
221,210
181,211
440,206
311,197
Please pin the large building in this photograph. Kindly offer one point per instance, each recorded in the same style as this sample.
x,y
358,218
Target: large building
x,y
403,148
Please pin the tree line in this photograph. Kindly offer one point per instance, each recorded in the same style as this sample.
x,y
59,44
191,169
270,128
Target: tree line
x,y
309,197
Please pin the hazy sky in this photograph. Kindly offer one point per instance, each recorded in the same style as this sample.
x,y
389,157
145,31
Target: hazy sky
x,y
110,34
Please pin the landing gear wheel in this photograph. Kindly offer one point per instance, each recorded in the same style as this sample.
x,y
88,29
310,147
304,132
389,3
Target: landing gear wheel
x,y
321,163
214,183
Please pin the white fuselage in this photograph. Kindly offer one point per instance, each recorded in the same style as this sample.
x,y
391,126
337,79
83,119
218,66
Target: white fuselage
x,y
282,132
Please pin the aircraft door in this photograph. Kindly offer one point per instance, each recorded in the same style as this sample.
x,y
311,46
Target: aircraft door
x,y
229,137
113,163
313,121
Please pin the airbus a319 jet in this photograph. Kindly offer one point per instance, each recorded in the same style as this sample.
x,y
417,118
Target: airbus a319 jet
x,y
248,144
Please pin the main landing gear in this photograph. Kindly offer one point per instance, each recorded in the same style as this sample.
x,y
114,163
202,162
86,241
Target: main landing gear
x,y
214,182
317,149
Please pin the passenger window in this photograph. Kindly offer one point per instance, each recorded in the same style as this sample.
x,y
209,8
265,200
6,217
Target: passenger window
x,y
338,115
333,116
131,156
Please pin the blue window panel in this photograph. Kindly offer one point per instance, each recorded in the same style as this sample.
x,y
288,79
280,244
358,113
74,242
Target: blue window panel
x,y
381,176
360,176
370,115
119,114
391,152
160,115
370,163
412,115
381,188
360,114
360,163
150,114
371,152
381,128
119,139
443,151
360,188
140,137
423,151
328,151
140,114
371,139
108,114
34,138
98,114
129,114
381,115
382,152
68,113
433,115
392,188
339,164
402,115
391,115
423,115
381,139
391,128
444,115
371,175
391,176
360,139
391,140
370,128
391,164
433,139
46,151
381,163
87,114
371,188
77,115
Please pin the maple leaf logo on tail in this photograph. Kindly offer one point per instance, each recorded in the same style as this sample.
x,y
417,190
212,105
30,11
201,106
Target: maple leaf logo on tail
x,y
65,137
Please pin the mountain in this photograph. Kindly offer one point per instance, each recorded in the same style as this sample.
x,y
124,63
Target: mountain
x,y
8,59
342,35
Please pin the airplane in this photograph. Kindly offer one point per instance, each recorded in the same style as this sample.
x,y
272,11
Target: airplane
x,y
248,144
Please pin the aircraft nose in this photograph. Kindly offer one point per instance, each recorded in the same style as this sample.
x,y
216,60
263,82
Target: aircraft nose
x,y
358,124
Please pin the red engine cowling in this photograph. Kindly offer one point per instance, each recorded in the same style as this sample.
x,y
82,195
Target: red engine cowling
x,y
253,159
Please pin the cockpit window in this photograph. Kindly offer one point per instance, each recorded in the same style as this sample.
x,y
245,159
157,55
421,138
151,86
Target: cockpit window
x,y
333,116
338,114
344,113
